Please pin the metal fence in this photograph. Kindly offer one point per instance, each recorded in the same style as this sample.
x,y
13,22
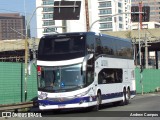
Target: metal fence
x,y
12,83
150,80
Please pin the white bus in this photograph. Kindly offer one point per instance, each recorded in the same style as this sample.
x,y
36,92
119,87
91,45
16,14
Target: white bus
x,y
78,70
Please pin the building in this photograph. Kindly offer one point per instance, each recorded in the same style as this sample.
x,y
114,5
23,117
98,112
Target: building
x,y
44,18
46,24
12,26
146,25
111,7
97,9
154,8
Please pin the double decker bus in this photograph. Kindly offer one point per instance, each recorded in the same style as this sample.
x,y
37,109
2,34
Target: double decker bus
x,y
84,69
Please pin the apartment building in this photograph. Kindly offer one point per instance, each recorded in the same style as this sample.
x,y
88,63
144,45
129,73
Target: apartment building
x,y
110,8
97,9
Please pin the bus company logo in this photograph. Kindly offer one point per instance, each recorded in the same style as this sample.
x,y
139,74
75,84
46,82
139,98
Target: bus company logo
x,y
6,114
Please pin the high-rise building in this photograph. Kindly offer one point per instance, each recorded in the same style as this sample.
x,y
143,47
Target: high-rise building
x,y
12,26
154,8
108,8
97,9
46,24
45,18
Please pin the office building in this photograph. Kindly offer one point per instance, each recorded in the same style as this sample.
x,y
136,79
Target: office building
x,y
12,26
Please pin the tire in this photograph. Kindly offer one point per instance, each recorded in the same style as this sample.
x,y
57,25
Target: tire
x,y
124,101
128,96
99,100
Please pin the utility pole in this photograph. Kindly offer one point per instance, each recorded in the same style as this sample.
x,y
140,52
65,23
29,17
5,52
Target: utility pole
x,y
140,15
34,48
64,23
139,29
87,15
146,51
26,63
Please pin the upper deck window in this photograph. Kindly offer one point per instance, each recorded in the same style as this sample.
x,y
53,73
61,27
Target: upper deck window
x,y
60,48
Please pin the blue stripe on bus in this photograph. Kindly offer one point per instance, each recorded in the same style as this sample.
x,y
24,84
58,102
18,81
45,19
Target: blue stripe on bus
x,y
115,95
73,101
112,95
83,99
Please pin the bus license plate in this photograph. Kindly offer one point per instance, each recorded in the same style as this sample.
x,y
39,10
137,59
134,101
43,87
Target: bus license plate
x,y
61,106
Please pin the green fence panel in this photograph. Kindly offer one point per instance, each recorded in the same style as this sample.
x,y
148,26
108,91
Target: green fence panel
x,y
32,84
12,83
138,79
150,80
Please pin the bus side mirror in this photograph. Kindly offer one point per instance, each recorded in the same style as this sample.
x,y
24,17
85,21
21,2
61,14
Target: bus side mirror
x,y
84,63
81,71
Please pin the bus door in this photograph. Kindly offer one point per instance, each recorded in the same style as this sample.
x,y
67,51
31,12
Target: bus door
x,y
90,69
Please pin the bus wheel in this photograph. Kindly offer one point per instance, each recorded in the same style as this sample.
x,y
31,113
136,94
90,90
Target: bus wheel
x,y
124,101
128,95
98,100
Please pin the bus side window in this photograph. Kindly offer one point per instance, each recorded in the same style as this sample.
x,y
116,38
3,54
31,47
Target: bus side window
x,y
98,47
102,77
107,76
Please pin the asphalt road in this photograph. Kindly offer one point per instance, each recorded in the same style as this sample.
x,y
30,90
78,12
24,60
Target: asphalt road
x,y
148,104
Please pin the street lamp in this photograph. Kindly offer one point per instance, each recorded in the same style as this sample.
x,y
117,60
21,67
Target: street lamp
x,y
26,52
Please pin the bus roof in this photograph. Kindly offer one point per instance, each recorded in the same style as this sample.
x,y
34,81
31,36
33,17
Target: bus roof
x,y
85,33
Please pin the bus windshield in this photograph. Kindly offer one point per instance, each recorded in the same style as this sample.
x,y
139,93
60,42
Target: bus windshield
x,y
61,79
61,47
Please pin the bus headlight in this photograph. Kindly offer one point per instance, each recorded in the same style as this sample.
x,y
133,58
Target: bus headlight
x,y
42,96
83,93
